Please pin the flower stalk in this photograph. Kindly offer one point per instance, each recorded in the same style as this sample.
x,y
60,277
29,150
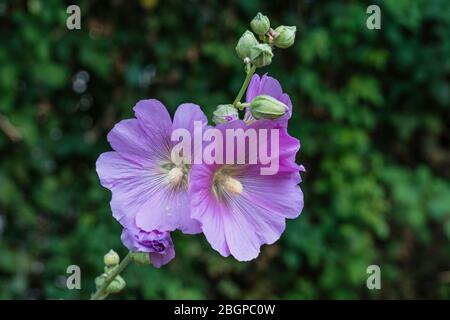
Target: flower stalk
x,y
250,73
149,242
101,292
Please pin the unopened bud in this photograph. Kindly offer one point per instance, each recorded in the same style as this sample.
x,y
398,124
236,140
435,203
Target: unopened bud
x,y
225,113
267,107
111,258
245,43
261,55
100,280
116,285
285,37
260,24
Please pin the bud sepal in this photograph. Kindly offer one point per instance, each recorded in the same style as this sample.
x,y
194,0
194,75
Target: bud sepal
x,y
261,55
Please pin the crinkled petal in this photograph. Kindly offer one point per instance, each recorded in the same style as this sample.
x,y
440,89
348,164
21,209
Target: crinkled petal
x,y
128,241
159,259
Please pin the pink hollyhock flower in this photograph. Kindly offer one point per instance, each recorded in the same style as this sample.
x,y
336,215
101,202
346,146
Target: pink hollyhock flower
x,y
238,208
158,245
271,87
149,191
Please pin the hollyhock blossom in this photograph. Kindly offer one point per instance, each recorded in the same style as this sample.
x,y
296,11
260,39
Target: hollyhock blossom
x,y
238,208
267,85
149,190
157,244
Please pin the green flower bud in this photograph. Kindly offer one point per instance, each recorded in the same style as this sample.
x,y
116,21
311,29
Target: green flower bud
x,y
266,107
100,280
111,258
285,37
225,113
261,55
245,43
116,285
141,257
260,24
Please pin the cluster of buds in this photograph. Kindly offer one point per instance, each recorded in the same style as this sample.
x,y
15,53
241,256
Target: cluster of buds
x,y
260,54
255,54
111,260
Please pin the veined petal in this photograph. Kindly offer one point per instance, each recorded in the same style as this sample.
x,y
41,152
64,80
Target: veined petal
x,y
239,215
130,141
166,209
152,113
185,116
143,196
159,260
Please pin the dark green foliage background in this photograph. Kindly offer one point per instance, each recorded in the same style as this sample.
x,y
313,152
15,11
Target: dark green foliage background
x,y
370,107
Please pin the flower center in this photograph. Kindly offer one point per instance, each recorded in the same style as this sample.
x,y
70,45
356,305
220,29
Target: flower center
x,y
228,184
175,176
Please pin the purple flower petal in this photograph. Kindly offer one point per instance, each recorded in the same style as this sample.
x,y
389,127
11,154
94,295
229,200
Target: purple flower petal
x,y
157,244
186,114
129,140
239,220
153,116
137,173
166,210
159,260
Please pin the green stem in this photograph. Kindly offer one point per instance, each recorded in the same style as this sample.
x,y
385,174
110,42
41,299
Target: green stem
x,y
100,294
250,73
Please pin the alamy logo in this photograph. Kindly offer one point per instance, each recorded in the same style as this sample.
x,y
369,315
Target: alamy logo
x,y
374,20
74,20
374,280
74,280
230,146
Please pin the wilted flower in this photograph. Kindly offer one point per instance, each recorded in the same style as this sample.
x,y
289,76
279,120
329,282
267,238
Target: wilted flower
x,y
149,190
238,208
157,244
